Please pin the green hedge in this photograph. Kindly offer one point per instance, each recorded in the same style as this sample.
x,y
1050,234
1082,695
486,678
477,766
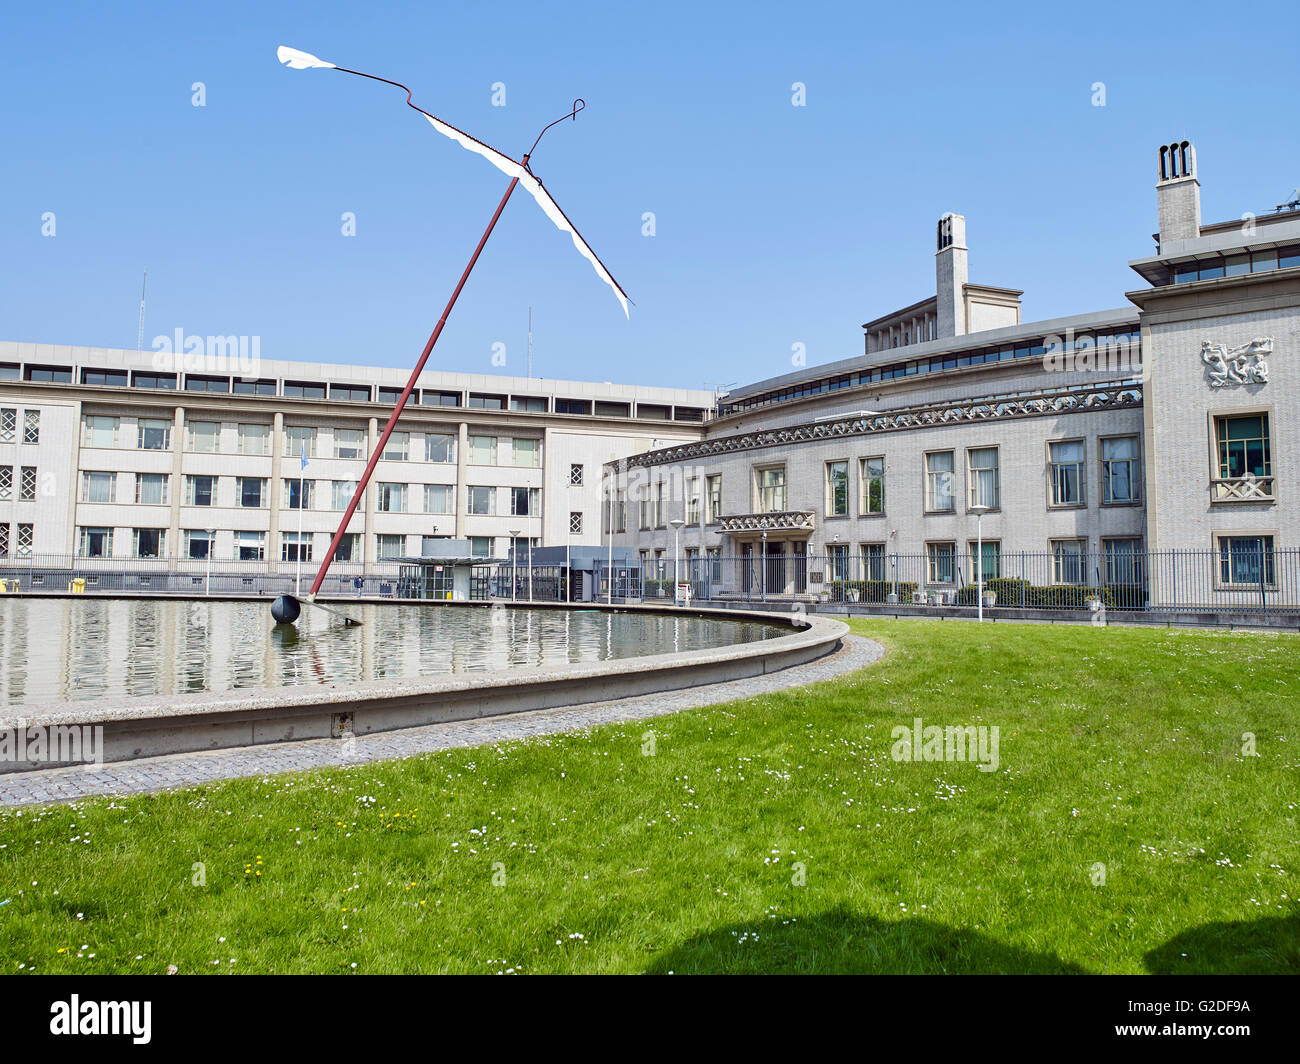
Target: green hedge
x,y
1059,596
870,590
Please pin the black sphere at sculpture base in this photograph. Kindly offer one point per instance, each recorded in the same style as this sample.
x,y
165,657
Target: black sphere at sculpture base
x,y
286,609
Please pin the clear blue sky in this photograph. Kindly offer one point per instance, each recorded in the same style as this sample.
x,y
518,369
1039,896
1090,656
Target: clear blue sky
x,y
775,224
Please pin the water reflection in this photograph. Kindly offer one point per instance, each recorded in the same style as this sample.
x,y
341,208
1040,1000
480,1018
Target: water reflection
x,y
82,649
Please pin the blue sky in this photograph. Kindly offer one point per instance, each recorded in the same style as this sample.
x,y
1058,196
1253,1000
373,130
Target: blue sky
x,y
775,224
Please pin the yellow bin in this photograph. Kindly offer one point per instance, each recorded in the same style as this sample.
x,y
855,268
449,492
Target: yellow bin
x,y
78,585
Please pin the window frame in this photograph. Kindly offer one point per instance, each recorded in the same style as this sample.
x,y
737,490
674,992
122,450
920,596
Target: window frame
x,y
1081,478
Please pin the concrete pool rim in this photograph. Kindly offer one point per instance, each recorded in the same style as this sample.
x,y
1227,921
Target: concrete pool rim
x,y
149,725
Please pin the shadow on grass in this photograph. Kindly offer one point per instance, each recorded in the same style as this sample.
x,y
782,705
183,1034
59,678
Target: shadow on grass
x,y
840,941
1268,946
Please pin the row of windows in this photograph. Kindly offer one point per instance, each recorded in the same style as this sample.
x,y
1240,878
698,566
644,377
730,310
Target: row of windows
x,y
19,537
1124,340
200,544
1215,266
357,393
25,481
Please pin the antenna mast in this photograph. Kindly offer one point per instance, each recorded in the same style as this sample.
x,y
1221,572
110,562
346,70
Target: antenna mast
x,y
139,334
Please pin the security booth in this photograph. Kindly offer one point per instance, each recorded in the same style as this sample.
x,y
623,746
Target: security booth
x,y
448,571
568,574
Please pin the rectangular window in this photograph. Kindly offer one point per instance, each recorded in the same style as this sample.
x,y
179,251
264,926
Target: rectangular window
x,y
480,546
439,499
198,543
252,386
304,390
349,443
940,559
392,498
299,494
295,547
1120,472
480,401
28,488
349,548
200,490
299,440
249,547
153,434
1246,560
439,447
254,439
771,490
1123,562
661,507
575,474
341,493
148,542
713,509
154,380
250,491
873,486
7,485
151,489
837,559
4,541
204,436
939,495
873,561
95,542
398,447
837,491
482,500
98,487
573,406
528,453
352,393
482,450
195,383
31,426
9,424
575,522
525,502
1243,447
714,556
532,404
1069,561
983,477
991,560
391,546
1068,474
26,537
693,501
101,431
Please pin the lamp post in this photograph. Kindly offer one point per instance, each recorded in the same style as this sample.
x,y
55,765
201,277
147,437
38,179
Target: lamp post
x,y
514,579
979,511
676,523
831,566
892,598
212,542
762,568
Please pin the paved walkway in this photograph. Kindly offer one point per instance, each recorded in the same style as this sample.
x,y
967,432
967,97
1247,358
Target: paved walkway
x,y
185,770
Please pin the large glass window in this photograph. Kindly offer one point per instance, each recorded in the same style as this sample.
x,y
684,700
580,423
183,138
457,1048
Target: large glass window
x,y
527,453
250,491
249,546
439,498
341,492
398,447
295,546
837,490
1246,560
1120,474
940,562
873,561
98,487
151,488
254,439
298,494
205,436
198,543
873,485
939,496
153,434
95,542
989,555
693,501
101,431
1069,561
1123,561
482,499
1068,479
713,510
349,443
984,486
482,450
200,490
392,498
525,502
148,542
391,546
771,490
1243,444
439,447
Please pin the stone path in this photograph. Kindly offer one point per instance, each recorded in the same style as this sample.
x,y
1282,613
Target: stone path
x,y
185,770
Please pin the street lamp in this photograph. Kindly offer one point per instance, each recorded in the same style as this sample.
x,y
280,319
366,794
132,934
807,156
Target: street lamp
x,y
762,568
676,523
212,542
514,579
979,511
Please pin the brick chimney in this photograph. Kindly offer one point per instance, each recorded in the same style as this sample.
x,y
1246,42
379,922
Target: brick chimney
x,y
950,275
1178,193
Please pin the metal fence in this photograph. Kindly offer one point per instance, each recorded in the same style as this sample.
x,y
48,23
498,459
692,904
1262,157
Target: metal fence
x,y
1232,579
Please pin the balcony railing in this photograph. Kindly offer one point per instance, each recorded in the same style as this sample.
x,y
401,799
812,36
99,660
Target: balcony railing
x,y
1242,489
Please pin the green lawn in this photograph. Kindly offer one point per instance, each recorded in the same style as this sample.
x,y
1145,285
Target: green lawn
x,y
1119,747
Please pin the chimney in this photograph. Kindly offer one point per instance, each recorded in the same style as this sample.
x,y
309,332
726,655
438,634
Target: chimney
x,y
1178,193
950,275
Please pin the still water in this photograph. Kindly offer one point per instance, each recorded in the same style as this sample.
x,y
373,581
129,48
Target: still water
x,y
81,649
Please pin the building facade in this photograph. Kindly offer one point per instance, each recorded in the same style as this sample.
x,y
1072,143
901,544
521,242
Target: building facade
x,y
144,456
1145,449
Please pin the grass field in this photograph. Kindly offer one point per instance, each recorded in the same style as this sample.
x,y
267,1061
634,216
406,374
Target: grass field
x,y
1124,831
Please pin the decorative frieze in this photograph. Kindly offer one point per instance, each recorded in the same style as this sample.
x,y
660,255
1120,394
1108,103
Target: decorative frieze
x,y
1232,367
781,521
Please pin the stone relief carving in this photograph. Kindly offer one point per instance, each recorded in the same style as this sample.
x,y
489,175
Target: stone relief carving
x,y
1226,367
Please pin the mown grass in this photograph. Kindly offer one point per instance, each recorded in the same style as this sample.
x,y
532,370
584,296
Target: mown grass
x,y
610,852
